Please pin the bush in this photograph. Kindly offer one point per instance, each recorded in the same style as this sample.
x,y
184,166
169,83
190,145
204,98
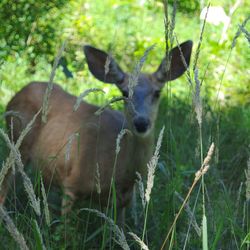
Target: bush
x,y
187,6
33,24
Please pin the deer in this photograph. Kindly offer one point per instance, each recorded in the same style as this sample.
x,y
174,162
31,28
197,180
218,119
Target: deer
x,y
95,144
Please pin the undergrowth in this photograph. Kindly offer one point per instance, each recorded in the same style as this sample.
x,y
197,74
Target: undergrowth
x,y
214,108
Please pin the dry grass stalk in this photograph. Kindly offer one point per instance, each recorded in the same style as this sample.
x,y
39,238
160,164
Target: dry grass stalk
x,y
119,234
169,26
98,179
12,129
242,26
247,34
244,216
189,78
237,203
197,98
133,78
152,166
13,148
197,52
239,31
117,150
45,105
209,156
6,166
45,203
84,94
16,235
13,114
166,25
139,241
69,146
26,130
28,127
119,138
141,189
247,172
202,171
35,203
227,24
150,178
189,224
10,161
107,64
113,100
190,215
172,24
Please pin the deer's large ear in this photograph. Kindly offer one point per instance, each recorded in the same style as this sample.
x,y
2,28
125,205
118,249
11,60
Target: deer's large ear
x,y
177,67
103,66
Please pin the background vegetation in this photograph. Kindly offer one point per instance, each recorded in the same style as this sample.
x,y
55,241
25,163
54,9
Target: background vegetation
x,y
30,36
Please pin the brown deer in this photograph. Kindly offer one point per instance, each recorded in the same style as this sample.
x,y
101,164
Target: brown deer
x,y
95,143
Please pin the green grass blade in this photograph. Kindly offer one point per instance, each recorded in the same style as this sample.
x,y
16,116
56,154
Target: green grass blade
x,y
204,233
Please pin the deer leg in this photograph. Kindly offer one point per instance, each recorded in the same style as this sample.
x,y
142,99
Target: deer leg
x,y
134,206
121,217
5,186
67,201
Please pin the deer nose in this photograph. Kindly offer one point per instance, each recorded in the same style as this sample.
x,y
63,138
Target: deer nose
x,y
141,124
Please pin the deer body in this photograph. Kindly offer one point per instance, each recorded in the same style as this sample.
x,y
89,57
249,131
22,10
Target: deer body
x,y
72,146
96,144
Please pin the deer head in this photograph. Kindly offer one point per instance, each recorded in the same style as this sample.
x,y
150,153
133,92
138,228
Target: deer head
x,y
142,107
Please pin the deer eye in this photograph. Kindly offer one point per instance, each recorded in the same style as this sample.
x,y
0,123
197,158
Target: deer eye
x,y
125,93
157,94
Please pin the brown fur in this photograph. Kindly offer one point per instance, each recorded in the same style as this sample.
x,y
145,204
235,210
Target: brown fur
x,y
45,145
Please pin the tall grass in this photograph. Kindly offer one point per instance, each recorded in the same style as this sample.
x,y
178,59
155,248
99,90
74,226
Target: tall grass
x,y
213,229
17,236
45,106
150,178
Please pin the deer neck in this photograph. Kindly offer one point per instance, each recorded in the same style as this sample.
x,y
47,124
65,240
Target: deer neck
x,y
143,150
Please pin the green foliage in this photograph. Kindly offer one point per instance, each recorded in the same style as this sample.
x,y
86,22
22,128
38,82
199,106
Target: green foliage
x,y
30,25
32,33
186,6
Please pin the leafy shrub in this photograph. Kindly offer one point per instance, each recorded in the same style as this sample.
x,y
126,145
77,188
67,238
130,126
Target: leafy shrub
x,y
188,6
31,23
